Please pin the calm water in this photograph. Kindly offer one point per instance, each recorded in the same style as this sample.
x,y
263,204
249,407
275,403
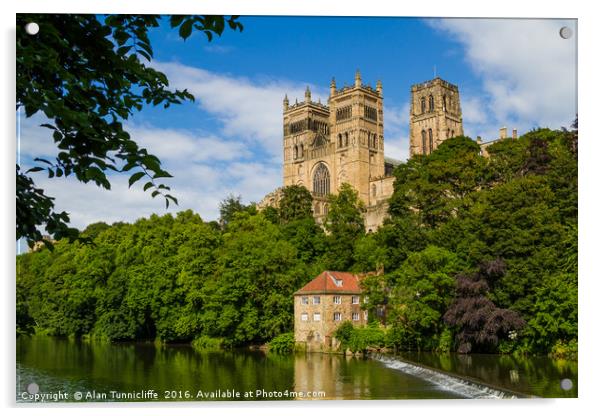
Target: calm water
x,y
136,371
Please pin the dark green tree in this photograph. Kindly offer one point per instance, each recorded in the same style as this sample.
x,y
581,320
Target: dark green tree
x,y
88,74
295,204
345,225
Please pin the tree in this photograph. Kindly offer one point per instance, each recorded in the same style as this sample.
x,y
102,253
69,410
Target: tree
x,y
421,290
230,207
478,322
345,225
88,74
295,204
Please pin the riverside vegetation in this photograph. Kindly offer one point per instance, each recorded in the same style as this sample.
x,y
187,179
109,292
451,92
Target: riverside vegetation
x,y
479,254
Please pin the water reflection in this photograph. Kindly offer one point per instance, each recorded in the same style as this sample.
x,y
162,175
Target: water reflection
x,y
539,376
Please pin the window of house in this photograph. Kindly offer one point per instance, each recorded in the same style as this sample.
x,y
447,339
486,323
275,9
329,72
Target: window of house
x,y
318,336
337,316
336,300
338,282
355,316
365,315
304,300
355,300
316,300
304,317
317,316
424,142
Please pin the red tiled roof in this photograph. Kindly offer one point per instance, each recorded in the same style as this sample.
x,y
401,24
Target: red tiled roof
x,y
332,282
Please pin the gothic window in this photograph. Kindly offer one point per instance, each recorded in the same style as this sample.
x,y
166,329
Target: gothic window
x,y
321,180
325,209
448,133
431,140
317,209
340,140
422,105
423,142
453,134
431,103
346,139
296,152
444,103
301,151
373,190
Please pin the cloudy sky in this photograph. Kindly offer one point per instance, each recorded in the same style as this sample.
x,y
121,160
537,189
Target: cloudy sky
x,y
514,73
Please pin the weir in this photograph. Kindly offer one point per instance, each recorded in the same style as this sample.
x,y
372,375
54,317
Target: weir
x,y
468,388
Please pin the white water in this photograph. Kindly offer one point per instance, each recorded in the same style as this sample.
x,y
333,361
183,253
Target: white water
x,y
466,388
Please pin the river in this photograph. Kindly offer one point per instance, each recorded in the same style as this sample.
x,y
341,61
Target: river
x,y
68,370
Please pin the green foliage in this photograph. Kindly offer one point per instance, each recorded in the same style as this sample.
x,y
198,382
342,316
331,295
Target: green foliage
x,y
283,343
295,204
177,279
565,350
345,225
88,74
422,289
359,339
207,344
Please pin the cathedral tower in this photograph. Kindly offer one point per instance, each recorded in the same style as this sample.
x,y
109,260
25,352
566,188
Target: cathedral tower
x,y
342,142
435,115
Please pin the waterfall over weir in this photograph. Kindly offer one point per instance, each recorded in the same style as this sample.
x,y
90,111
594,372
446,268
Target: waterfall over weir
x,y
467,388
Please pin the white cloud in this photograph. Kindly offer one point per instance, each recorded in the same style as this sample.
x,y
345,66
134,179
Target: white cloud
x,y
528,71
396,125
250,111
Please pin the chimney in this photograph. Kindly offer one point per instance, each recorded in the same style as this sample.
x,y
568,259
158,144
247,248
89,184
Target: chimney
x,y
503,133
514,134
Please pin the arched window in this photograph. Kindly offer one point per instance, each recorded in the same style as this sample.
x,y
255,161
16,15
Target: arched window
x,y
423,142
346,139
340,140
444,103
325,209
431,103
301,151
453,134
448,133
317,208
321,180
431,140
296,152
422,105
374,190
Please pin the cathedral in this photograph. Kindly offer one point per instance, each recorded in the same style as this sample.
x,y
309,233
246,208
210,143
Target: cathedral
x,y
325,146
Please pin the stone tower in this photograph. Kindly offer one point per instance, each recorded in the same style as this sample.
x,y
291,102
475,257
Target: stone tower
x,y
326,146
435,115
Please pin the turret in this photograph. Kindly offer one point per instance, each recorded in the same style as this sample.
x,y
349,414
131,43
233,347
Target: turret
x,y
358,78
307,95
379,87
285,102
333,87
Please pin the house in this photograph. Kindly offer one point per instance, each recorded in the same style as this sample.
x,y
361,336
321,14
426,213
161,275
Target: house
x,y
323,304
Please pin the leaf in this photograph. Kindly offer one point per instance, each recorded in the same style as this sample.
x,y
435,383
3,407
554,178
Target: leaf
x,y
135,177
35,169
148,185
186,29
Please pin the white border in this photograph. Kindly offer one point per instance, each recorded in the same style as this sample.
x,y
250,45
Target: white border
x,y
589,184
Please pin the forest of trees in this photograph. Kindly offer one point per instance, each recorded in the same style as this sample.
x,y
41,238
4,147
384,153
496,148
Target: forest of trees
x,y
479,255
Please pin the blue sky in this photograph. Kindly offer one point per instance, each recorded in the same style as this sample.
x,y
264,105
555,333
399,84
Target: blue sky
x,y
514,73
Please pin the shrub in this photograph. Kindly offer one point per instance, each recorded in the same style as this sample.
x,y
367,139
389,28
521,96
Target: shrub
x,y
283,343
205,343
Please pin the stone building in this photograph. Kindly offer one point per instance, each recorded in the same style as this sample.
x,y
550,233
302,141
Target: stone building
x,y
323,304
325,146
435,115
